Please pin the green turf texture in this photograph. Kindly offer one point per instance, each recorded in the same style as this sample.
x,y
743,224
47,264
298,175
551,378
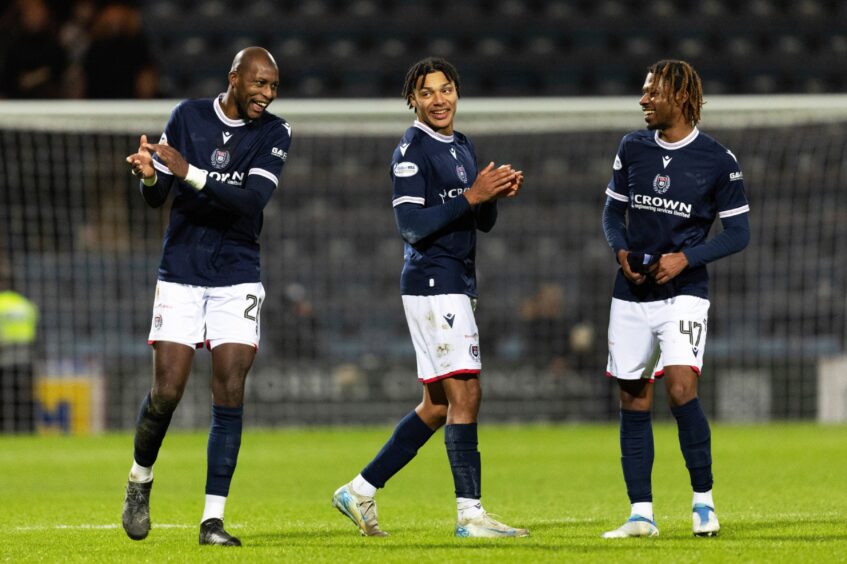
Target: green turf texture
x,y
781,495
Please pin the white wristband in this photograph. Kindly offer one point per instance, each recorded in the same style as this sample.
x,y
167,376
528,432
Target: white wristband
x,y
150,181
196,177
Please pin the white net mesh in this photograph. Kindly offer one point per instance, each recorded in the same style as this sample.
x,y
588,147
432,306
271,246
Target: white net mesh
x,y
78,241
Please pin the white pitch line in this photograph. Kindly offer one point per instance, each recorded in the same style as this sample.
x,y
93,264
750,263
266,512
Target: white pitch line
x,y
96,527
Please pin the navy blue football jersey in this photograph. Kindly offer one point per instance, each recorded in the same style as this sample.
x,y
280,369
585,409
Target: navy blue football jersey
x,y
430,172
213,235
673,192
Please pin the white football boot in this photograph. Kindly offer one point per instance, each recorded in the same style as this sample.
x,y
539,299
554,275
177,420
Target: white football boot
x,y
485,526
705,522
360,509
635,526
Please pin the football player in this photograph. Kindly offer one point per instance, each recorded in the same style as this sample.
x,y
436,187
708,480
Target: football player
x,y
669,183
221,158
440,201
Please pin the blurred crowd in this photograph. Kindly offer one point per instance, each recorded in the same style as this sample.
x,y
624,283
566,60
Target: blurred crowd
x,y
74,49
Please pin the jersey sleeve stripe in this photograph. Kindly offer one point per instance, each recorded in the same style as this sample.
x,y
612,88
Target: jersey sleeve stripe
x,y
265,174
161,168
735,211
408,200
615,196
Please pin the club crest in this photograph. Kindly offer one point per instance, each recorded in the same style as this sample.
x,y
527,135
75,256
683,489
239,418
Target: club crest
x,y
157,321
661,183
220,158
460,172
473,350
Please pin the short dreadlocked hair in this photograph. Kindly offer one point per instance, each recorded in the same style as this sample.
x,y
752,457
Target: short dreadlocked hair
x,y
679,78
425,67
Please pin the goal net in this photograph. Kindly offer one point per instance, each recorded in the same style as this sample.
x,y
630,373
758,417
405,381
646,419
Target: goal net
x,y
78,241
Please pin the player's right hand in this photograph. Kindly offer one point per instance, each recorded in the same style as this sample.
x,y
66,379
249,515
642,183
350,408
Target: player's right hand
x,y
141,162
169,157
634,277
491,184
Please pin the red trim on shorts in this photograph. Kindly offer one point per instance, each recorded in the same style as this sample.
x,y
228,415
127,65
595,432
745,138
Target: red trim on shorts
x,y
196,346
658,375
209,344
449,375
651,380
661,373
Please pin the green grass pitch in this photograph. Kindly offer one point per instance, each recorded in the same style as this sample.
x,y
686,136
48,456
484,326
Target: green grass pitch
x,y
781,495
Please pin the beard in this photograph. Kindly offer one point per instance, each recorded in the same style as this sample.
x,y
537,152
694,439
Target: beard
x,y
656,124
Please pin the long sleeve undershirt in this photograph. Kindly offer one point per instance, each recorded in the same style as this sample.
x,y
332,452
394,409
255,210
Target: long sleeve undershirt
x,y
416,223
247,201
734,237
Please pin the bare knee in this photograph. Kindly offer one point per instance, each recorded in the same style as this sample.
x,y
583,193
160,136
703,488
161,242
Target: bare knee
x,y
464,408
433,415
681,385
680,393
172,363
631,403
469,401
165,396
636,395
229,392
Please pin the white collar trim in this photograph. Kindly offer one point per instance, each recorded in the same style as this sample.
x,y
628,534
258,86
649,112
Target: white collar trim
x,y
678,144
432,133
219,111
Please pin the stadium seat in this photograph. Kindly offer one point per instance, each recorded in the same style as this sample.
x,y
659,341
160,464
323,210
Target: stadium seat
x,y
807,8
761,8
313,8
392,47
441,47
162,10
596,37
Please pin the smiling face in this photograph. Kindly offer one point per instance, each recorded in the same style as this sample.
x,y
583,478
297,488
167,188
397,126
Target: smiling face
x,y
661,110
253,87
434,99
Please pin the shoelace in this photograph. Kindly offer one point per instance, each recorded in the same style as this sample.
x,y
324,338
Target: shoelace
x,y
489,518
136,496
366,506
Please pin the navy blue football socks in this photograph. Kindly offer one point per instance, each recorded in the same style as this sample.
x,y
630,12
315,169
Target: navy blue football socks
x,y
695,441
637,454
410,435
150,429
224,444
465,462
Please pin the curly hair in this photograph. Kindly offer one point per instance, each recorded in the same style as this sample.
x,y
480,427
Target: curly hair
x,y
681,81
425,67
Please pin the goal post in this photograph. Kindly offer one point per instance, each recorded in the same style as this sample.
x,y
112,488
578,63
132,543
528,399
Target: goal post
x,y
79,242
388,116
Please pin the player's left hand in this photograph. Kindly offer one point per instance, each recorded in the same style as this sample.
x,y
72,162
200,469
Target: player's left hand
x,y
516,184
668,267
141,162
169,157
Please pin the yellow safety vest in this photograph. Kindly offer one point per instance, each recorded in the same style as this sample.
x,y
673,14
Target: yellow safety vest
x,y
18,319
